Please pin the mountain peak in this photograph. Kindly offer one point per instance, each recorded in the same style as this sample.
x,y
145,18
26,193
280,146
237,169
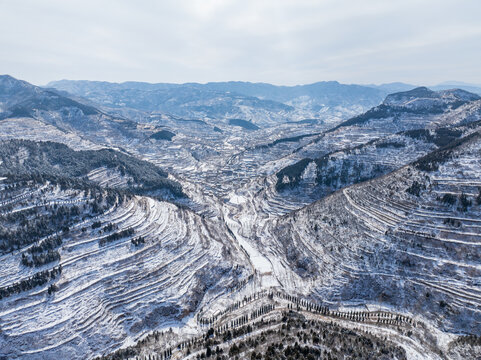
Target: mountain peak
x,y
459,94
403,96
425,95
10,85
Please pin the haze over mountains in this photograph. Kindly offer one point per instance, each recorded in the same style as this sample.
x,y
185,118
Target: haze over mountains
x,y
223,219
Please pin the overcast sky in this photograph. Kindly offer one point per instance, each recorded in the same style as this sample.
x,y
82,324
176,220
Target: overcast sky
x,y
275,41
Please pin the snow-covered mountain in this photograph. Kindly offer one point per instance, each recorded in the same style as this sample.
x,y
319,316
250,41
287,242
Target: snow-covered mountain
x,y
176,221
422,98
408,240
262,104
404,127
19,99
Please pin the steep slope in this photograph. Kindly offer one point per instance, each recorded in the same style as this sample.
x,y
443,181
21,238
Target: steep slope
x,y
422,98
24,159
411,109
91,263
406,126
396,257
407,240
19,99
113,288
86,268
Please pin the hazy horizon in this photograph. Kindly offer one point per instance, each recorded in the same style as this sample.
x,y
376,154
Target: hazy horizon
x,y
453,82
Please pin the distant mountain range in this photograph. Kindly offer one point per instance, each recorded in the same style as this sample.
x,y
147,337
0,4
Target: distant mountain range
x,y
262,104
458,85
329,92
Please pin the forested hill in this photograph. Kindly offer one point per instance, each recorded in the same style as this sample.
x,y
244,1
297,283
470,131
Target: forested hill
x,y
50,159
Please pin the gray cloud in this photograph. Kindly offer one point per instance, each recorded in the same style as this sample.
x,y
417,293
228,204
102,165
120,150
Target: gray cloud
x,y
277,41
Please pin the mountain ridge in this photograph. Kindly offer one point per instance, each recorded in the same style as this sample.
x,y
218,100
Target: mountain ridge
x,y
348,220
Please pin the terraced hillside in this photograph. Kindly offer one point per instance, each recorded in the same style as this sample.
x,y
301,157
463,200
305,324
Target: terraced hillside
x,y
408,240
343,251
135,266
50,160
406,126
73,231
177,235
